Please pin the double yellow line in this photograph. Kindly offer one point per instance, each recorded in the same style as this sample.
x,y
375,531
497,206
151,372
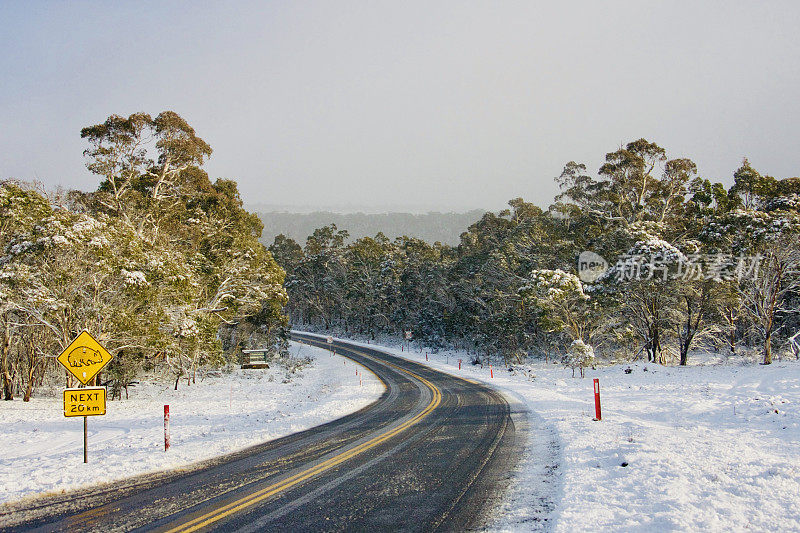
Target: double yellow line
x,y
267,492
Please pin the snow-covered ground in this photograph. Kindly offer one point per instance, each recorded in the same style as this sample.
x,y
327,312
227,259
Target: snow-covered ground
x,y
42,452
713,446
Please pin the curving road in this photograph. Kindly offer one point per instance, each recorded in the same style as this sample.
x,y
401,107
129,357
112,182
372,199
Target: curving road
x,y
434,452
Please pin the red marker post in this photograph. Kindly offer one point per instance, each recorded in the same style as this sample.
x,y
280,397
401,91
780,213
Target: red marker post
x,y
491,372
597,415
166,427
459,364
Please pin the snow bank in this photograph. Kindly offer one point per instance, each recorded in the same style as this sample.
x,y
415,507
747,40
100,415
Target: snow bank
x,y
43,452
707,447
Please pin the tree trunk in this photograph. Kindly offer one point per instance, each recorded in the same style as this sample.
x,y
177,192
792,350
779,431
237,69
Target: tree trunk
x,y
8,385
8,378
685,350
768,348
31,373
28,391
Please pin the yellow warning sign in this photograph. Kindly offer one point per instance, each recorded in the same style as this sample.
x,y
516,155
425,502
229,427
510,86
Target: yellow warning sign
x,y
84,357
85,402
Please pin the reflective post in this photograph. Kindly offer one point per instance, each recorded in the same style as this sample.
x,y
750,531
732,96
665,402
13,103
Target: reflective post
x,y
597,413
166,427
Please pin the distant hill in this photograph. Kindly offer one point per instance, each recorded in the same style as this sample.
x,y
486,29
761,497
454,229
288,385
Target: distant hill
x,y
430,227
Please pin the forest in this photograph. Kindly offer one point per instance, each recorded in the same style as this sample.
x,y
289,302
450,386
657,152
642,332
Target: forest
x,y
645,259
160,264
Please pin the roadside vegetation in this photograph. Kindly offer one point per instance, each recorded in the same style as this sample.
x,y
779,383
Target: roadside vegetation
x,y
164,266
691,265
160,264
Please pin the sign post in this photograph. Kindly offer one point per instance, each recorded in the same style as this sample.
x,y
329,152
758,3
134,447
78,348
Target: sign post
x,y
84,358
407,335
85,402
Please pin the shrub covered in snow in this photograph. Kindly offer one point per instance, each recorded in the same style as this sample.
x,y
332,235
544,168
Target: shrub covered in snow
x,y
579,355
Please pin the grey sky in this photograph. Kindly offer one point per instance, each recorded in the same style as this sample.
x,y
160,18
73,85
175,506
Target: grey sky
x,y
443,105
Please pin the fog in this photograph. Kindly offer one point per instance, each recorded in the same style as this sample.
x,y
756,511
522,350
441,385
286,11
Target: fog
x,y
419,105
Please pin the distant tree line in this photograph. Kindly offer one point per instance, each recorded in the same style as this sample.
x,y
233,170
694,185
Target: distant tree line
x,y
430,227
160,264
691,264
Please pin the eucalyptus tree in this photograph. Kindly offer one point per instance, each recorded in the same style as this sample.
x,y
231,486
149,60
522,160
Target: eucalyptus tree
x,y
632,179
286,252
650,215
72,272
766,296
318,280
160,263
763,226
118,154
563,303
21,208
372,283
695,316
142,162
423,288
643,283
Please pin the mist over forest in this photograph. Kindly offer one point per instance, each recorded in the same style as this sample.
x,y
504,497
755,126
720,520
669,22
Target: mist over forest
x,y
430,227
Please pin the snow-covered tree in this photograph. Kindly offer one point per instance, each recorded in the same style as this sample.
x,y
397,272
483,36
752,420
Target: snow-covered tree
x,y
161,264
765,295
642,281
564,304
579,355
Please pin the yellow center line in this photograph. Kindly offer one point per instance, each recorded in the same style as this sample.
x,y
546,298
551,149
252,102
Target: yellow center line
x,y
267,492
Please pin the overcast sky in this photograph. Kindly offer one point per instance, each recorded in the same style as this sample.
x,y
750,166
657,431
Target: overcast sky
x,y
429,105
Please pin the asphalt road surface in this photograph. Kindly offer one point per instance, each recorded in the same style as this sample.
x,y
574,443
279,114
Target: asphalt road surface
x,y
434,452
